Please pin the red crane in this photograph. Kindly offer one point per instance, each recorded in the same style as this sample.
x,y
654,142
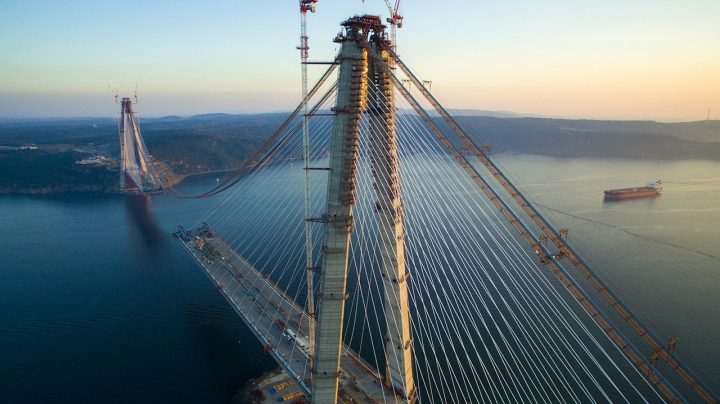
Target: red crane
x,y
395,20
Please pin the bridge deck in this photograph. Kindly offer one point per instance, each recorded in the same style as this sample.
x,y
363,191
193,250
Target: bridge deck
x,y
275,319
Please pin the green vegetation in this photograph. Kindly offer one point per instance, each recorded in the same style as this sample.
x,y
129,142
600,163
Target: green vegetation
x,y
212,142
225,142
56,131
40,172
188,152
607,139
187,145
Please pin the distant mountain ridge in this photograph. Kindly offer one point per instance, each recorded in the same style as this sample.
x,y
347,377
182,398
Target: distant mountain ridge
x,y
51,130
603,139
699,131
213,142
476,112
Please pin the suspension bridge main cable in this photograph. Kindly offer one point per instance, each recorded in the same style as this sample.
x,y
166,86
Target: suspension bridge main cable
x,y
241,173
462,379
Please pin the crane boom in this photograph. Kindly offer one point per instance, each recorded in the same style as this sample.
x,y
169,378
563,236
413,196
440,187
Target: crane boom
x,y
395,21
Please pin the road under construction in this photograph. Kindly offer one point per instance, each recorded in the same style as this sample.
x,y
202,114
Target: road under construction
x,y
276,320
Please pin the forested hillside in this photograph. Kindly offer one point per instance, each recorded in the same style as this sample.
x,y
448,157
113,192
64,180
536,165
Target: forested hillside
x,y
224,142
585,138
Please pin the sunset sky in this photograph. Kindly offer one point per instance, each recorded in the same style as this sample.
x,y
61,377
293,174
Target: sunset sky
x,y
657,60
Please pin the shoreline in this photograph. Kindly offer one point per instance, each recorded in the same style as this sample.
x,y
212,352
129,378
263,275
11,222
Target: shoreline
x,y
58,189
173,178
182,177
205,172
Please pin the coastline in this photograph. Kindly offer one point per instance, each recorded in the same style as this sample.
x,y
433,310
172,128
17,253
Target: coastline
x,y
171,179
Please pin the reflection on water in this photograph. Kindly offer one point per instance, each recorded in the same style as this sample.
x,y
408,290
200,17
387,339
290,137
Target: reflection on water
x,y
649,200
142,221
77,315
98,304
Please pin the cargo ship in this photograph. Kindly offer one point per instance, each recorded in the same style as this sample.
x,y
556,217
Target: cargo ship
x,y
650,189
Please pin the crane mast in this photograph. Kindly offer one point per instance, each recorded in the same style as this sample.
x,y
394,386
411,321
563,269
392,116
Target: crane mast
x,y
305,6
395,21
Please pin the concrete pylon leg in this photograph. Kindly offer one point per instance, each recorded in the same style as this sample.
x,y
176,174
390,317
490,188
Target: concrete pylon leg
x,y
123,150
351,101
389,207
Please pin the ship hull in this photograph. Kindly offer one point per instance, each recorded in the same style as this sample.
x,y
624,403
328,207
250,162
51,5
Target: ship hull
x,y
627,194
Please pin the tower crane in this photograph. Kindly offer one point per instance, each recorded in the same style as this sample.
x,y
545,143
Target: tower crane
x,y
115,93
305,6
395,20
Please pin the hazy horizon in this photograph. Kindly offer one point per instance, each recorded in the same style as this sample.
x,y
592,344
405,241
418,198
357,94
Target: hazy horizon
x,y
460,112
596,60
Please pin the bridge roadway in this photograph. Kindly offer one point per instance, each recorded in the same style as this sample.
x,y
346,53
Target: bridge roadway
x,y
279,323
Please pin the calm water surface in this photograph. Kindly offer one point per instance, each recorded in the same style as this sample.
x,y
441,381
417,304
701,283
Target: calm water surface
x,y
660,255
98,304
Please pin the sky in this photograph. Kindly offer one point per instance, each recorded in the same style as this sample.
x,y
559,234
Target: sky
x,y
642,59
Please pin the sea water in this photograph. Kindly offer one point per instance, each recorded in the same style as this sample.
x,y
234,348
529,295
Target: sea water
x,y
99,304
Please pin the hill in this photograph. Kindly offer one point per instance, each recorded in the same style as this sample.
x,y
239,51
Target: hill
x,y
588,138
214,142
50,172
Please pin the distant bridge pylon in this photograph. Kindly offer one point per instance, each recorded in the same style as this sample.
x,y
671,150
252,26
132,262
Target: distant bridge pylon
x,y
137,170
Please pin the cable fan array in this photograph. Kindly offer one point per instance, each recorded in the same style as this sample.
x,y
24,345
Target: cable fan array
x,y
489,323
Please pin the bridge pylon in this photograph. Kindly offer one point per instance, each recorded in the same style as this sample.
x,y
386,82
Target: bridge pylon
x,y
137,171
386,174
354,99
